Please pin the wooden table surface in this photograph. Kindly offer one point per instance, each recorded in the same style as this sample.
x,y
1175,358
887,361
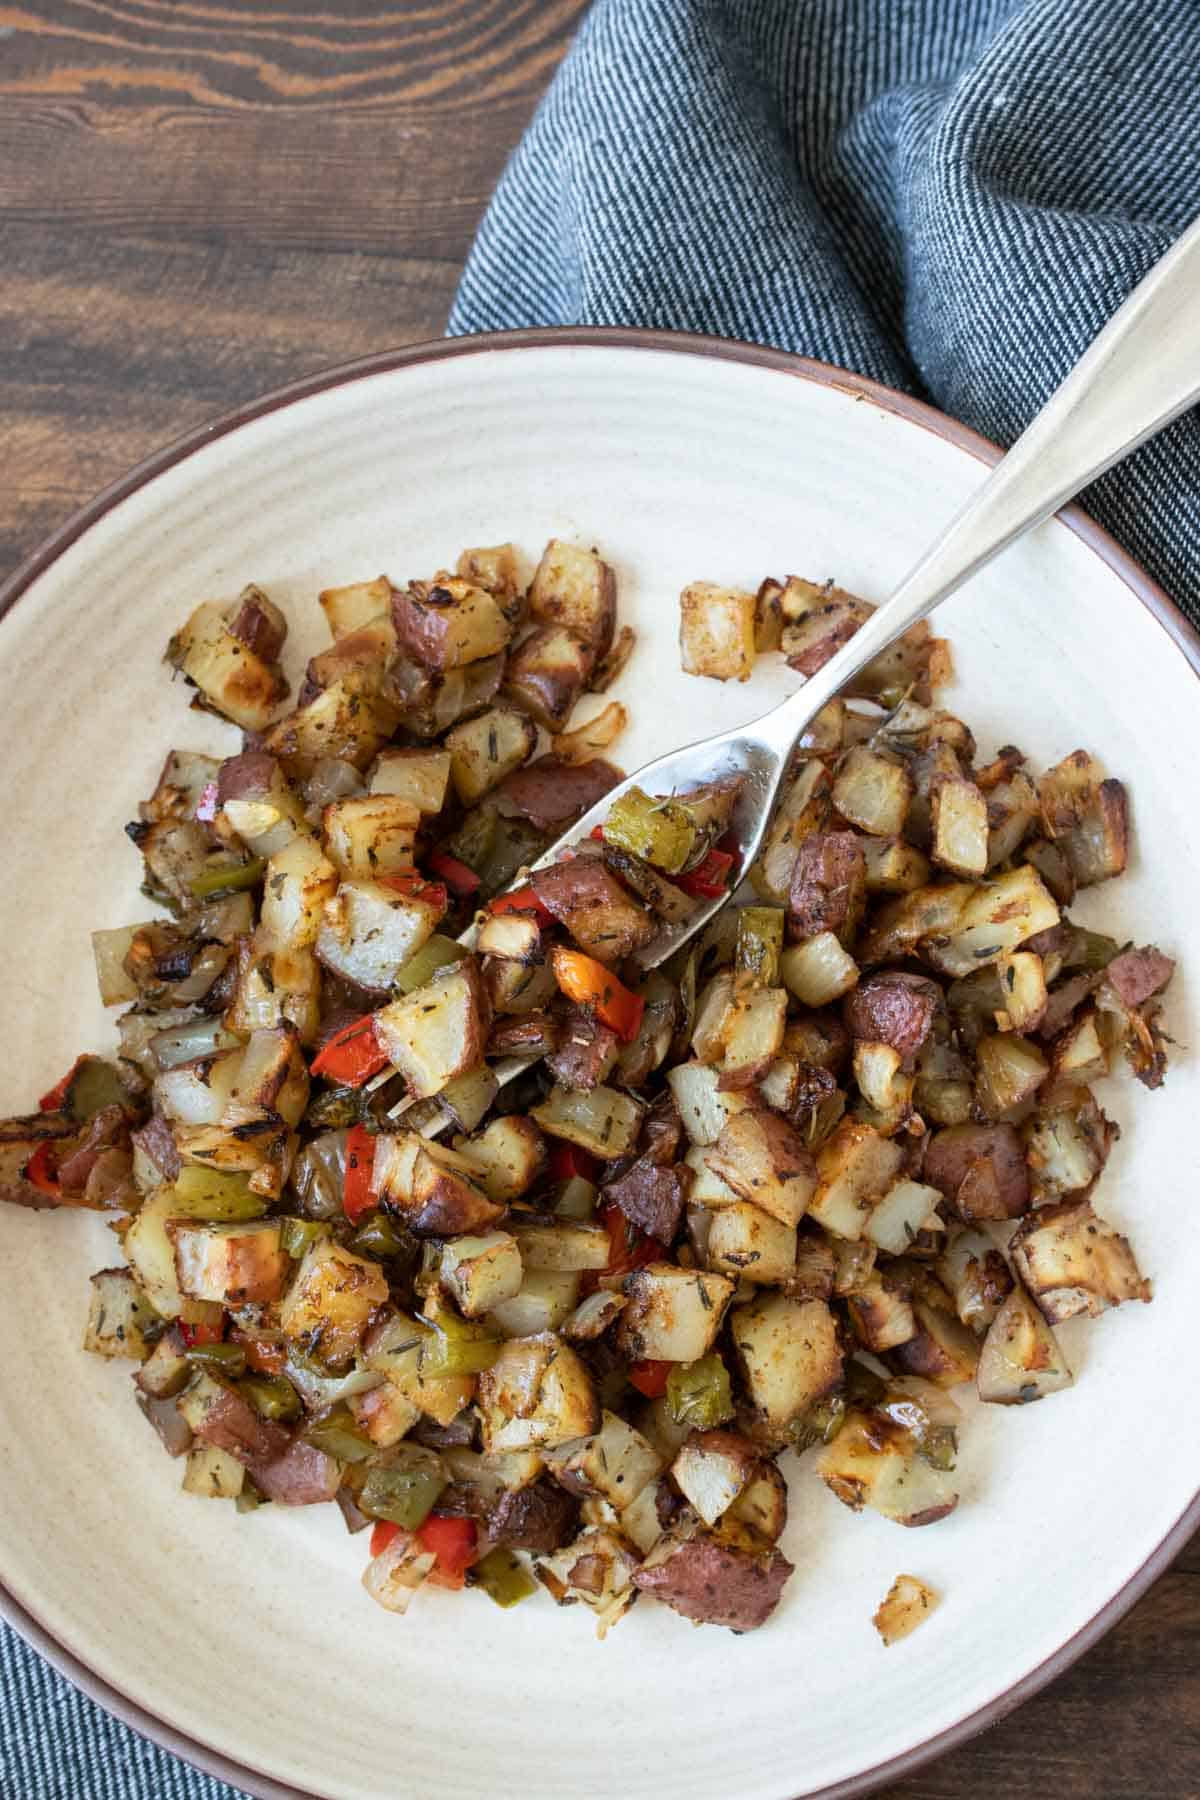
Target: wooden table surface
x,y
199,202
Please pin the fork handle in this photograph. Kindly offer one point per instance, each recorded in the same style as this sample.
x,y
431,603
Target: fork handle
x,y
1140,373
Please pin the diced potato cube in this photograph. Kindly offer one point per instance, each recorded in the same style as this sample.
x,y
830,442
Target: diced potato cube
x,y
894,867
960,826
349,608
703,1107
370,931
749,1244
573,587
712,1469
873,792
754,1036
803,810
616,1463
873,1462
789,1354
393,1349
763,1160
447,622
237,1265
537,1393
600,1120
121,1320
547,673
480,1272
716,631
510,1155
673,1314
346,720
1021,1359
385,1414
434,1188
231,677
895,1221
418,776
327,1307
881,1313
438,1031
855,1168
371,836
485,749
1072,1262
707,1189
213,1474
561,1244
996,917
299,882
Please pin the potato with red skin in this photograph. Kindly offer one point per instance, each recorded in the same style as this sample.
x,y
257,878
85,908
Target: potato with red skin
x,y
829,886
547,674
447,623
716,1583
981,1170
553,794
587,1050
258,623
542,1518
301,1476
894,1008
594,907
652,1196
1136,975
231,1424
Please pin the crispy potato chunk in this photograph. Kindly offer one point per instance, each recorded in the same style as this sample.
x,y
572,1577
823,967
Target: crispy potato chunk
x,y
907,1604
717,631
1072,1262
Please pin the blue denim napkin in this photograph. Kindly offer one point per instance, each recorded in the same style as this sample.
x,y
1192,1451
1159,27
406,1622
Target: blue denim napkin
x,y
950,196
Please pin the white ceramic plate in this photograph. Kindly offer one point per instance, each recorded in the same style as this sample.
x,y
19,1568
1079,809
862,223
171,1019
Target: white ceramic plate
x,y
247,1643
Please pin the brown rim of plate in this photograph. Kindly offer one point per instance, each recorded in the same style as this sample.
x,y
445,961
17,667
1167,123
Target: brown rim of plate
x,y
1162,609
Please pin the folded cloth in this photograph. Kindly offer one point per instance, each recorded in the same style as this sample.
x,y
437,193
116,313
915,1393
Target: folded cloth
x,y
950,196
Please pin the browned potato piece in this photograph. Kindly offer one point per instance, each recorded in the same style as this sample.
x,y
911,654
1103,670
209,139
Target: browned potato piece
x,y
485,749
364,654
345,720
494,569
817,621
369,931
418,776
509,1154
764,1161
232,679
907,1604
976,1277
941,1349
1087,816
518,989
747,1242
873,1462
1012,809
652,1197
829,886
573,587
855,1168
673,1314
594,907
717,631
881,1313
547,673
434,1189
959,824
447,622
872,791
347,609
1021,1359
326,1309
894,867
552,794
537,1394
789,1353
803,810
438,1031
236,1265
371,836
1071,1261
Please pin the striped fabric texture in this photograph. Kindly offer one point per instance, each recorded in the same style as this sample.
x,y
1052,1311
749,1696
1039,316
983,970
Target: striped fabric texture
x,y
950,196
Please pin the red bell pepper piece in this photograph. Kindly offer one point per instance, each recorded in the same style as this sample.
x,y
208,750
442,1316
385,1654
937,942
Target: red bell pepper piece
x,y
650,1378
263,1358
352,1055
202,1333
452,1541
709,879
41,1171
523,899
358,1195
628,1248
415,887
589,983
597,834
54,1100
458,877
568,1161
385,1533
